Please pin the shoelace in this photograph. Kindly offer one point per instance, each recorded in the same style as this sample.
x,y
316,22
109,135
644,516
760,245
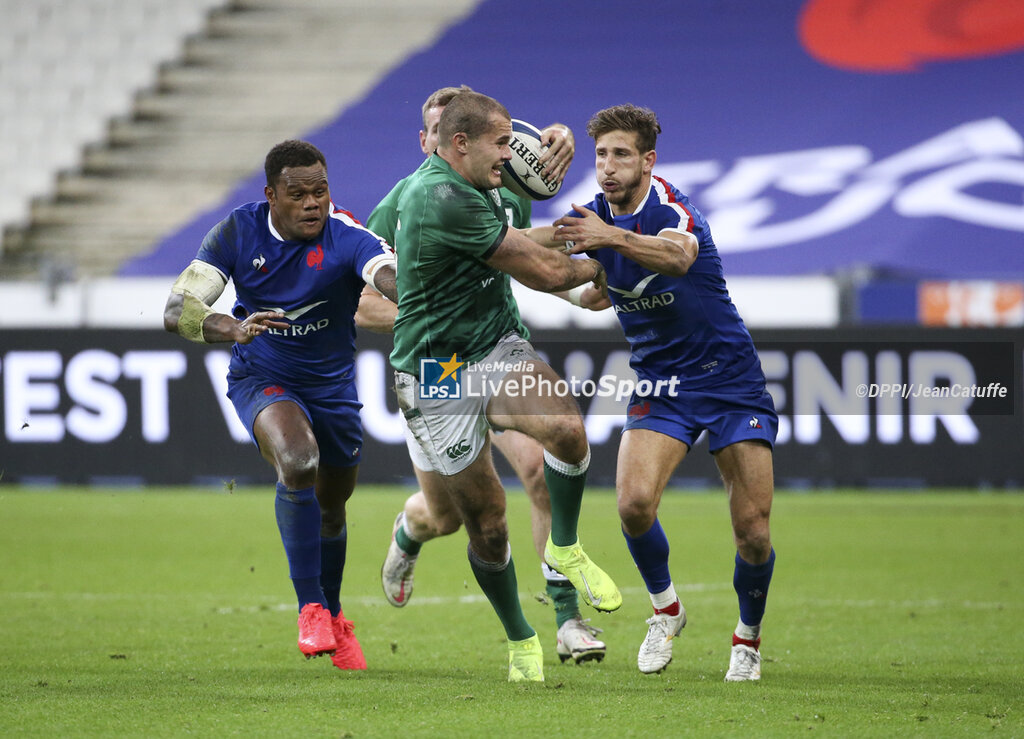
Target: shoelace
x,y
662,625
592,630
402,566
745,662
309,617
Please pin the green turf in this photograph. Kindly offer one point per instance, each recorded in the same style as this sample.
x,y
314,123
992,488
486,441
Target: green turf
x,y
168,613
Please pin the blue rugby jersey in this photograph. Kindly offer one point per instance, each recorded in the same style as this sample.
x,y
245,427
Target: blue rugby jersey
x,y
316,284
685,327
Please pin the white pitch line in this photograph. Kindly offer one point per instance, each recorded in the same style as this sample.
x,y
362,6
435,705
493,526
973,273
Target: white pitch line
x,y
475,598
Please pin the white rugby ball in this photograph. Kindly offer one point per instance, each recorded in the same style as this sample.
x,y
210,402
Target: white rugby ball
x,y
522,174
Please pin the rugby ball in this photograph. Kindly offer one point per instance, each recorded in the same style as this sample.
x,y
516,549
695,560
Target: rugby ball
x,y
522,173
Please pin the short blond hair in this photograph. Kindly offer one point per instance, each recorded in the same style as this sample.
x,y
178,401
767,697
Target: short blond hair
x,y
440,98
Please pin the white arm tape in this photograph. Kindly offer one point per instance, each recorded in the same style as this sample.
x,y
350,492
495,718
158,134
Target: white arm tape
x,y
201,280
575,295
371,267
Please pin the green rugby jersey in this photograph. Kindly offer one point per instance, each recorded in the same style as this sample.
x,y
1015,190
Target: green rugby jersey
x,y
449,300
384,218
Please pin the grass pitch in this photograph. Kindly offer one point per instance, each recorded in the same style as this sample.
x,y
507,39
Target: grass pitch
x,y
168,613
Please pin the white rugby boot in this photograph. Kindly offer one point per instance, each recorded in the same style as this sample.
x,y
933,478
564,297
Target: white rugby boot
x,y
656,651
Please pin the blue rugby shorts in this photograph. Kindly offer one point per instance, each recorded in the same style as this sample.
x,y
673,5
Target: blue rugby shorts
x,y
728,418
332,411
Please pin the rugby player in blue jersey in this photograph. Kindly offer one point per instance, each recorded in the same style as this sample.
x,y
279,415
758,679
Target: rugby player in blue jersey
x,y
666,284
298,266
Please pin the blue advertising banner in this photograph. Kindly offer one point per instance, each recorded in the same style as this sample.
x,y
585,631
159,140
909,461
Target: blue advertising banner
x,y
817,136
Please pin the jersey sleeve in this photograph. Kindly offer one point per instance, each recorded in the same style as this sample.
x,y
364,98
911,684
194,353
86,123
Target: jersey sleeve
x,y
671,216
220,247
370,252
383,220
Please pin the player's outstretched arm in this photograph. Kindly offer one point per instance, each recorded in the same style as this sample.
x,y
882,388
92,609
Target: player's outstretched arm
x,y
188,312
538,268
595,298
376,313
669,253
592,297
543,235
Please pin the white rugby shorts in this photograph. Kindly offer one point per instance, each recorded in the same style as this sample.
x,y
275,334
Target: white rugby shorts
x,y
451,433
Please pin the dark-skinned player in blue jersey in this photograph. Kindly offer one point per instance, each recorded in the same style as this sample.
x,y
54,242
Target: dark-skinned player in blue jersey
x,y
298,265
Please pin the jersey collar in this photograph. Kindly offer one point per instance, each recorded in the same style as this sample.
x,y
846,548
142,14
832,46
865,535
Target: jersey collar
x,y
601,197
273,231
643,202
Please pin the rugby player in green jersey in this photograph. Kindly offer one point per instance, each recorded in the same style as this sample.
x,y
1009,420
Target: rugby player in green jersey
x,y
430,513
456,312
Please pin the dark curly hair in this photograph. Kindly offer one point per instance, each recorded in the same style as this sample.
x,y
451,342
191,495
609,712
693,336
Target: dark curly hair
x,y
290,153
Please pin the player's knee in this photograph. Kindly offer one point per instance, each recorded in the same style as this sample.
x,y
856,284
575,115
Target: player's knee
x,y
753,538
490,540
447,523
637,513
567,438
332,521
297,467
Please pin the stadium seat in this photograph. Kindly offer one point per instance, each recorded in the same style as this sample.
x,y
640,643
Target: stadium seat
x,y
68,67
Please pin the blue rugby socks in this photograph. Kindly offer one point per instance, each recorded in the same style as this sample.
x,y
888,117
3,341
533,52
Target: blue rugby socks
x,y
751,584
298,520
332,568
650,553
